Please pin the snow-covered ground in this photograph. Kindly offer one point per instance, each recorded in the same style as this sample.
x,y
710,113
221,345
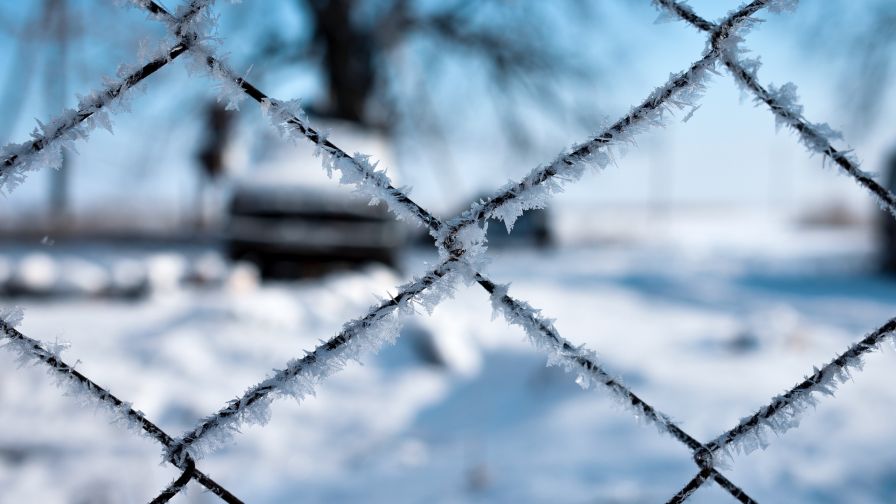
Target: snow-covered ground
x,y
706,318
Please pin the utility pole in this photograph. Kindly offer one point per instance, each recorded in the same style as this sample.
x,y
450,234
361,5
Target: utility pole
x,y
56,23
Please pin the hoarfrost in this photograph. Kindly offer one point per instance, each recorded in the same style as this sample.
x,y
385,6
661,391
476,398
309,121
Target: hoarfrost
x,y
228,83
784,411
301,376
73,384
577,360
358,171
196,20
230,93
299,379
12,315
690,114
816,137
48,140
289,118
44,150
681,92
786,104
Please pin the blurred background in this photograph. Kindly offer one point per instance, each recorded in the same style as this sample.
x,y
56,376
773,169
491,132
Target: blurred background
x,y
193,250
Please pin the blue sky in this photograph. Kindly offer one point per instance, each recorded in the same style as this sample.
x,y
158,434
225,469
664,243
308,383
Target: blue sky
x,y
727,153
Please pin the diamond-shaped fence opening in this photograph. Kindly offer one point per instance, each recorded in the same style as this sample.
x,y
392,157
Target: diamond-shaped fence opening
x,y
460,242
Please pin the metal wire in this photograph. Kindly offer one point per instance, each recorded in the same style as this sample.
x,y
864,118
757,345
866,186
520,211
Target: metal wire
x,y
543,333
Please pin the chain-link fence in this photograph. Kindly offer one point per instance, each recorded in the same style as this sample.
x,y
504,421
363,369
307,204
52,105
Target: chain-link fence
x,y
461,243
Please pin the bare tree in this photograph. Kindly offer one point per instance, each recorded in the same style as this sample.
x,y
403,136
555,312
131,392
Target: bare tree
x,y
353,44
366,53
862,42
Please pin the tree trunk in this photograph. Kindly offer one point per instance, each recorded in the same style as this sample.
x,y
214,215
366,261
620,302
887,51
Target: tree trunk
x,y
348,59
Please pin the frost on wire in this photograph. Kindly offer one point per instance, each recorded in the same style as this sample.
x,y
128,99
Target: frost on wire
x,y
48,139
44,150
681,91
31,351
358,171
784,411
86,391
577,359
288,117
301,376
382,322
783,102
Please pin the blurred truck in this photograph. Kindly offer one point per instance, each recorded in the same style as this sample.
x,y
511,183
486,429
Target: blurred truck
x,y
289,219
